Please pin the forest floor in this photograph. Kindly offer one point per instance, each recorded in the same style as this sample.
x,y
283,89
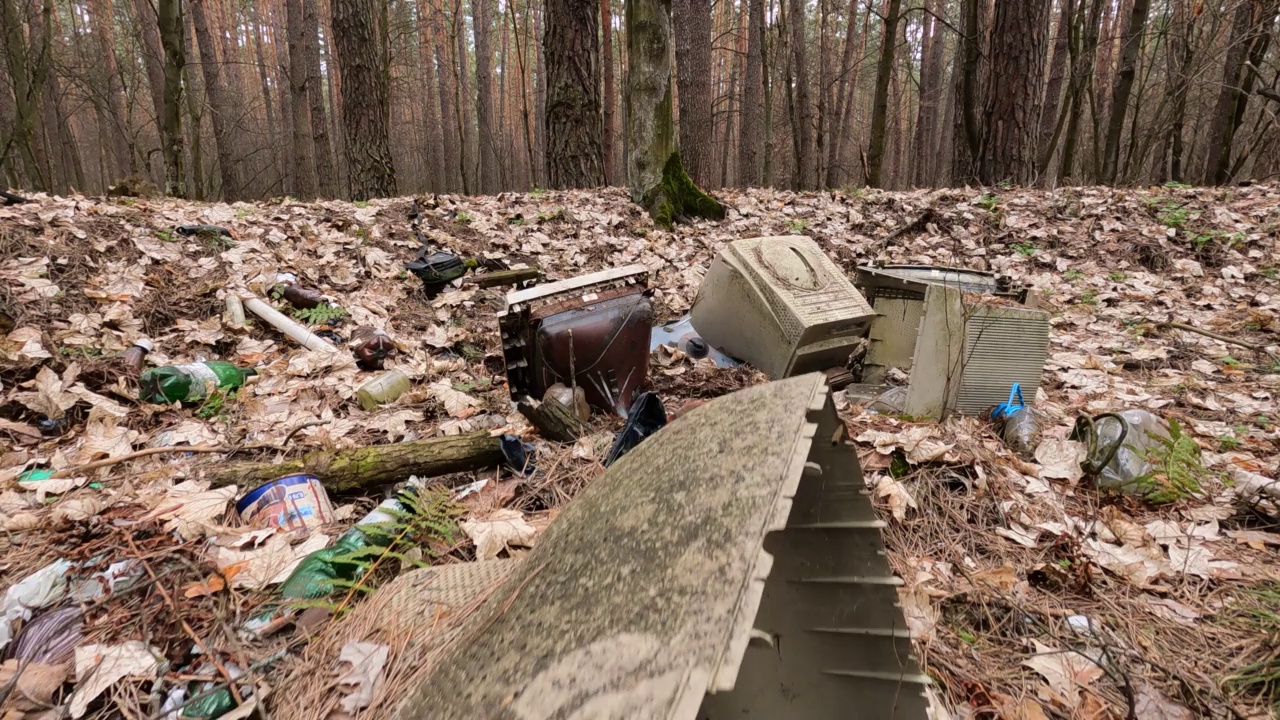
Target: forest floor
x,y
1030,593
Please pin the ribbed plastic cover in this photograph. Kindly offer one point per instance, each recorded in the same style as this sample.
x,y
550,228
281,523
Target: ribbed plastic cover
x,y
641,598
1002,346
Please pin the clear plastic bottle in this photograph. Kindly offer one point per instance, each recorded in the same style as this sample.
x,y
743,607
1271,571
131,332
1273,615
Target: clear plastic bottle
x,y
382,389
1121,446
1021,432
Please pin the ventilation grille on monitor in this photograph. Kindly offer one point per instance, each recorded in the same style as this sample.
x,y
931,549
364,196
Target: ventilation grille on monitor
x,y
1002,346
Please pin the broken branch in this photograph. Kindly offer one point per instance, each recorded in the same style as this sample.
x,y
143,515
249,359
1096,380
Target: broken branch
x,y
373,465
1215,336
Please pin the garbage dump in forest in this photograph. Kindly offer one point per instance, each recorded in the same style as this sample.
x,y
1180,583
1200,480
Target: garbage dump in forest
x,y
1008,465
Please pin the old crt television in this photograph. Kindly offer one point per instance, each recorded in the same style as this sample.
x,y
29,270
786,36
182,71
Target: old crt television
x,y
591,330
782,305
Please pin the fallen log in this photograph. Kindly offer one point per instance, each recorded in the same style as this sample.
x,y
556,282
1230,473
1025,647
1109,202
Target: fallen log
x,y
342,470
553,420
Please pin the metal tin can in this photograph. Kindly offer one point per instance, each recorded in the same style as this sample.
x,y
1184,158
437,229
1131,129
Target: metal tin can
x,y
292,502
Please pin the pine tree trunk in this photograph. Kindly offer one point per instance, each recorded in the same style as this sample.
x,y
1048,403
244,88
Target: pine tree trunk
x,y
971,87
1250,34
751,129
693,73
1085,55
360,51
880,106
540,95
445,78
267,103
610,97
843,100
466,130
145,20
930,86
488,138
1011,125
169,16
103,17
219,102
803,103
1053,95
1134,28
304,169
431,111
1178,84
574,156
326,177
655,175
193,95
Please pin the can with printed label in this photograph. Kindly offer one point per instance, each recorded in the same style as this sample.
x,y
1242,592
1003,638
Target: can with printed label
x,y
291,502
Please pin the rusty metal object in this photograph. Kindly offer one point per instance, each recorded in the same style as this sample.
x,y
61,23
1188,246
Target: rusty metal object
x,y
730,566
592,331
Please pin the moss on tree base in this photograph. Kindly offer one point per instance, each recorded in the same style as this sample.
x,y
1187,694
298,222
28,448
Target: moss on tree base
x,y
677,197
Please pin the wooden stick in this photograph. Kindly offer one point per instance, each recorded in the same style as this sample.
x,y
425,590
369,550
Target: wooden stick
x,y
1216,336
222,670
68,472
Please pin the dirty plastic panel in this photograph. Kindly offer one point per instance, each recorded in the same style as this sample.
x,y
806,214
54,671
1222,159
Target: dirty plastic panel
x,y
782,305
659,591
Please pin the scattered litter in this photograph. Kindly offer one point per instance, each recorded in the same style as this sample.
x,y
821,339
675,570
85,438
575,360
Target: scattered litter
x,y
518,454
191,382
647,417
41,589
51,637
371,346
134,358
780,304
292,502
1019,425
681,335
592,331
382,389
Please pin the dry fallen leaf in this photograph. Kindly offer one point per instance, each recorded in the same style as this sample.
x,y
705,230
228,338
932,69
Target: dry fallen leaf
x,y
1065,671
499,531
98,667
361,681
50,397
104,436
456,403
266,565
34,689
1060,459
1151,704
192,509
216,582
896,495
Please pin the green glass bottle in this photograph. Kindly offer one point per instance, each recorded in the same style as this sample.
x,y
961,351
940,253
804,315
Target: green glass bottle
x,y
190,382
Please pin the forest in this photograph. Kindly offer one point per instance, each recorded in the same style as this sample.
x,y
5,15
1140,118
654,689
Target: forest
x,y
253,99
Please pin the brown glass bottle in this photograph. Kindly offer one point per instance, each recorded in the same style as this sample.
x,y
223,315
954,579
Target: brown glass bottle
x,y
136,357
371,347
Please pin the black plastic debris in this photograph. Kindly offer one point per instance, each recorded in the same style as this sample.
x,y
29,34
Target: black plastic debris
x,y
518,454
647,417
12,198
189,230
